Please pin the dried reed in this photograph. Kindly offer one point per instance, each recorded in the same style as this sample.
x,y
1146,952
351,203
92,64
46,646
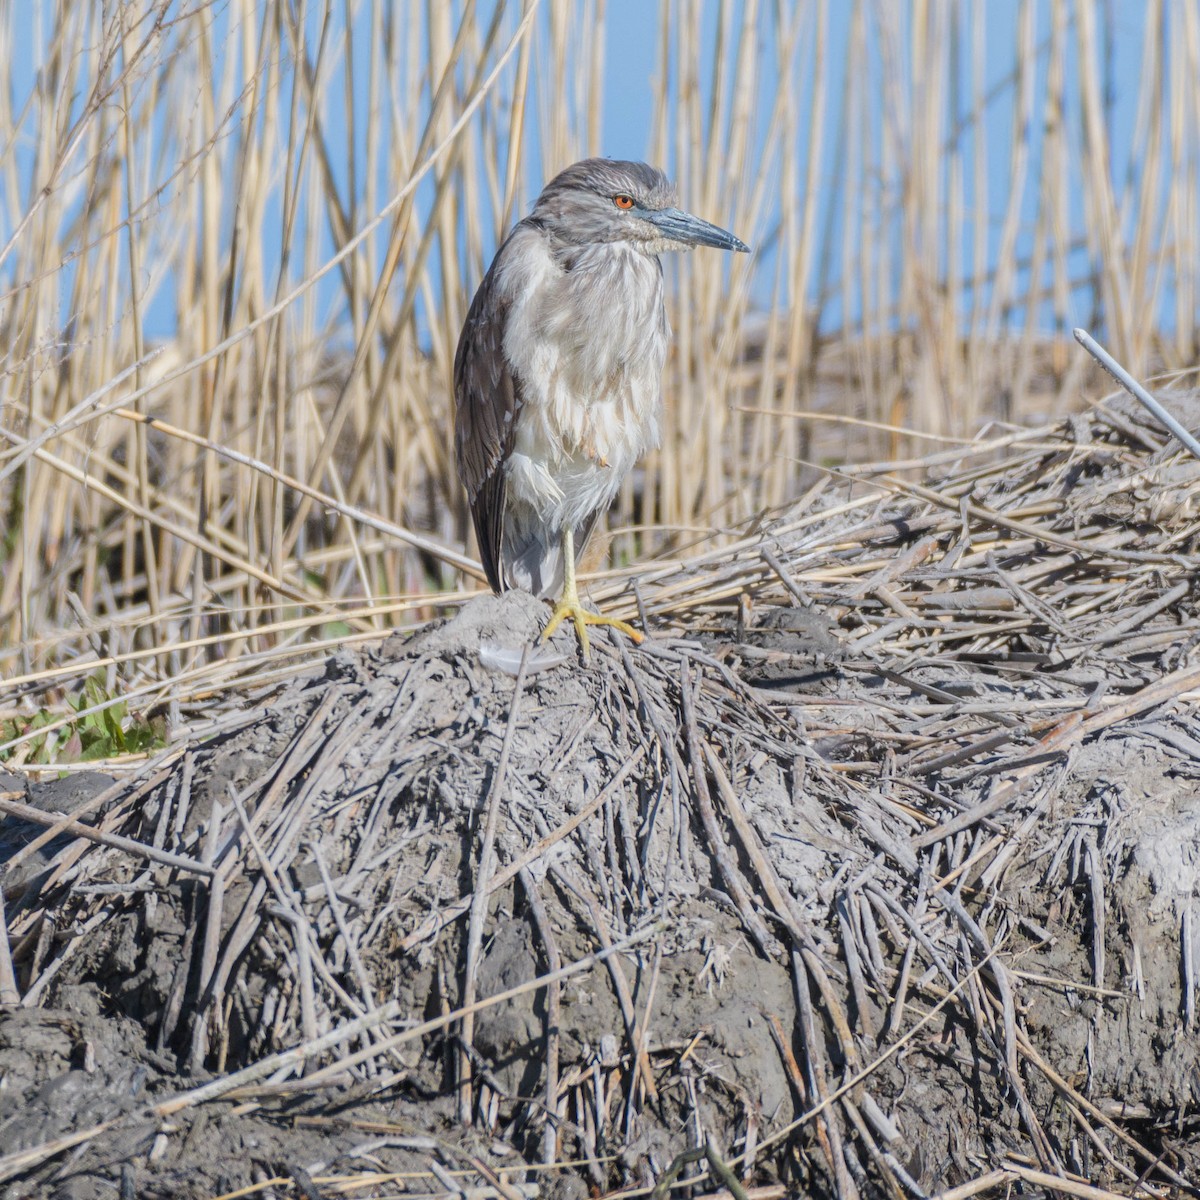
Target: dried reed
x,y
308,245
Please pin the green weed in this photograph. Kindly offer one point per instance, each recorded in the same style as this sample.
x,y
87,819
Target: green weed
x,y
95,733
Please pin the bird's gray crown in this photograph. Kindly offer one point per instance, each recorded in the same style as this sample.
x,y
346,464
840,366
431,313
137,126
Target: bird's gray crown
x,y
606,177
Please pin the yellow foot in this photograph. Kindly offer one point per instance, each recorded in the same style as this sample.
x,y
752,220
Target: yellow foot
x,y
569,607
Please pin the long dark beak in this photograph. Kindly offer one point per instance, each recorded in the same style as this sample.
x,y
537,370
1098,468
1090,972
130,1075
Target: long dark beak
x,y
682,227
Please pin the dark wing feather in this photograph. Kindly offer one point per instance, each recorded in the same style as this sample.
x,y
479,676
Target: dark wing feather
x,y
486,399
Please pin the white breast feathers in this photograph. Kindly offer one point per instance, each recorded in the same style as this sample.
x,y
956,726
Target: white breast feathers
x,y
587,338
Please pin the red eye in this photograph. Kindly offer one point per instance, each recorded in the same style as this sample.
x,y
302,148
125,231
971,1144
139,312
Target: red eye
x,y
623,201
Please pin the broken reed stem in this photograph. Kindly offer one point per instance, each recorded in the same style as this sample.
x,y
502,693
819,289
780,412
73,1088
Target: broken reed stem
x,y
9,992
1139,393
328,503
553,1010
485,871
58,822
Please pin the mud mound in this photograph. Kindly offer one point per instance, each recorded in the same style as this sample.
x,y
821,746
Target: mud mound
x,y
881,883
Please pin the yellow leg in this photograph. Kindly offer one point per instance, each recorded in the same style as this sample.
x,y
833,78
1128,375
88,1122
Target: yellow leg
x,y
568,604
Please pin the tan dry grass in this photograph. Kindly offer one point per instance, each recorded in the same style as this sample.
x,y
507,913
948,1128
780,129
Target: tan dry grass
x,y
201,136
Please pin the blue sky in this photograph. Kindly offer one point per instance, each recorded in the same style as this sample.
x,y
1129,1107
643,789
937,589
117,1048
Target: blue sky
x,y
632,60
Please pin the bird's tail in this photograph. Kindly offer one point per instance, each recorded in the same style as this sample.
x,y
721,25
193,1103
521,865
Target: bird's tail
x,y
532,557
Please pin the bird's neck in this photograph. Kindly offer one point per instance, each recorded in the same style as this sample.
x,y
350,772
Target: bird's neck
x,y
570,256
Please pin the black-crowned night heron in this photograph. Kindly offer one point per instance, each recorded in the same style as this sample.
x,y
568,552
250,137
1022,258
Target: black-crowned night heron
x,y
557,378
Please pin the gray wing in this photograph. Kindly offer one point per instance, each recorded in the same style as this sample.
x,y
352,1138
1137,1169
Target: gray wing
x,y
486,398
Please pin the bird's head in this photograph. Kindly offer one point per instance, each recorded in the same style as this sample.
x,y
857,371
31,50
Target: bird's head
x,y
606,200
